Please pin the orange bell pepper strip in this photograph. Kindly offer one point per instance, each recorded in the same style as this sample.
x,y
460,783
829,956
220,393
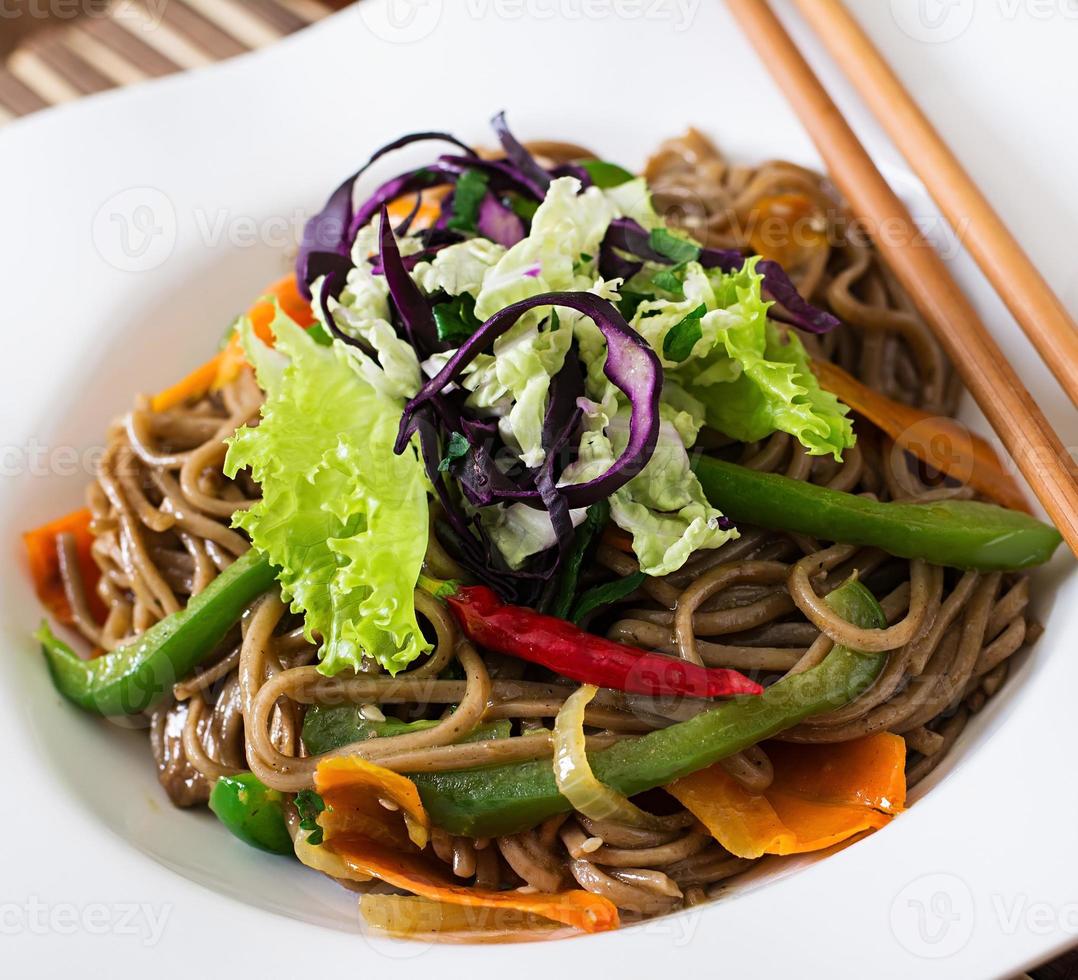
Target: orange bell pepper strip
x,y
943,443
226,364
424,877
367,839
352,789
45,565
821,795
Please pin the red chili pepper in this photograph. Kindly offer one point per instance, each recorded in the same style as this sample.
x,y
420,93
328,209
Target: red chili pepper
x,y
516,631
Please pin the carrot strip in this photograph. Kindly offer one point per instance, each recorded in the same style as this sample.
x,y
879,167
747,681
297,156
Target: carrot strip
x,y
364,838
430,207
614,537
820,795
195,385
45,565
224,366
941,442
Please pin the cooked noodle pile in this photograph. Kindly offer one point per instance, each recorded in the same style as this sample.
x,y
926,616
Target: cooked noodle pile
x,y
161,517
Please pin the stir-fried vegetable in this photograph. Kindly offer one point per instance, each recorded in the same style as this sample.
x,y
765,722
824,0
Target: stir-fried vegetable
x,y
820,795
941,442
507,799
45,565
517,631
412,917
355,793
958,533
134,678
329,727
375,827
573,773
252,811
226,365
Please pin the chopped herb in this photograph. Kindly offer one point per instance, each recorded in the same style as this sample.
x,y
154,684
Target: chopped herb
x,y
604,595
680,341
605,174
455,319
471,188
630,303
308,805
320,335
458,448
561,600
674,248
584,257
226,338
669,281
524,207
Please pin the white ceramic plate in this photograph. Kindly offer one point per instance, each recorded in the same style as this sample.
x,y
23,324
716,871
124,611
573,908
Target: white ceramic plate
x,y
137,224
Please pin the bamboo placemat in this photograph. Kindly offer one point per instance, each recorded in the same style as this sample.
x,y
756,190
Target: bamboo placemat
x,y
132,41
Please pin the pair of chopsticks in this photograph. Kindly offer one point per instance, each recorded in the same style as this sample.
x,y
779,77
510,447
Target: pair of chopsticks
x,y
997,389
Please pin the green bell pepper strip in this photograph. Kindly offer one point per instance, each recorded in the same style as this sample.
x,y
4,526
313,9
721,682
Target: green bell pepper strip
x,y
134,678
252,811
499,800
326,728
959,533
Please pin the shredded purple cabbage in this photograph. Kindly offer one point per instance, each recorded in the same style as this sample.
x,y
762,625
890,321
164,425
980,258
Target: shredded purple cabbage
x,y
331,229
517,155
414,311
626,235
501,174
631,365
499,223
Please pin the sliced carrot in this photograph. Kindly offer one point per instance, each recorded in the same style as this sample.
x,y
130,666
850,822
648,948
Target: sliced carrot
x,y
787,228
430,207
195,385
224,366
941,442
424,877
286,292
820,795
614,537
45,565
366,837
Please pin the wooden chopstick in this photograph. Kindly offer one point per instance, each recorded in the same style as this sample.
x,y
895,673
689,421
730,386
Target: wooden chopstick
x,y
1048,325
995,386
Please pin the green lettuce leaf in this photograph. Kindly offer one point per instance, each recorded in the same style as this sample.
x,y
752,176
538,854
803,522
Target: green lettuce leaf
x,y
342,517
